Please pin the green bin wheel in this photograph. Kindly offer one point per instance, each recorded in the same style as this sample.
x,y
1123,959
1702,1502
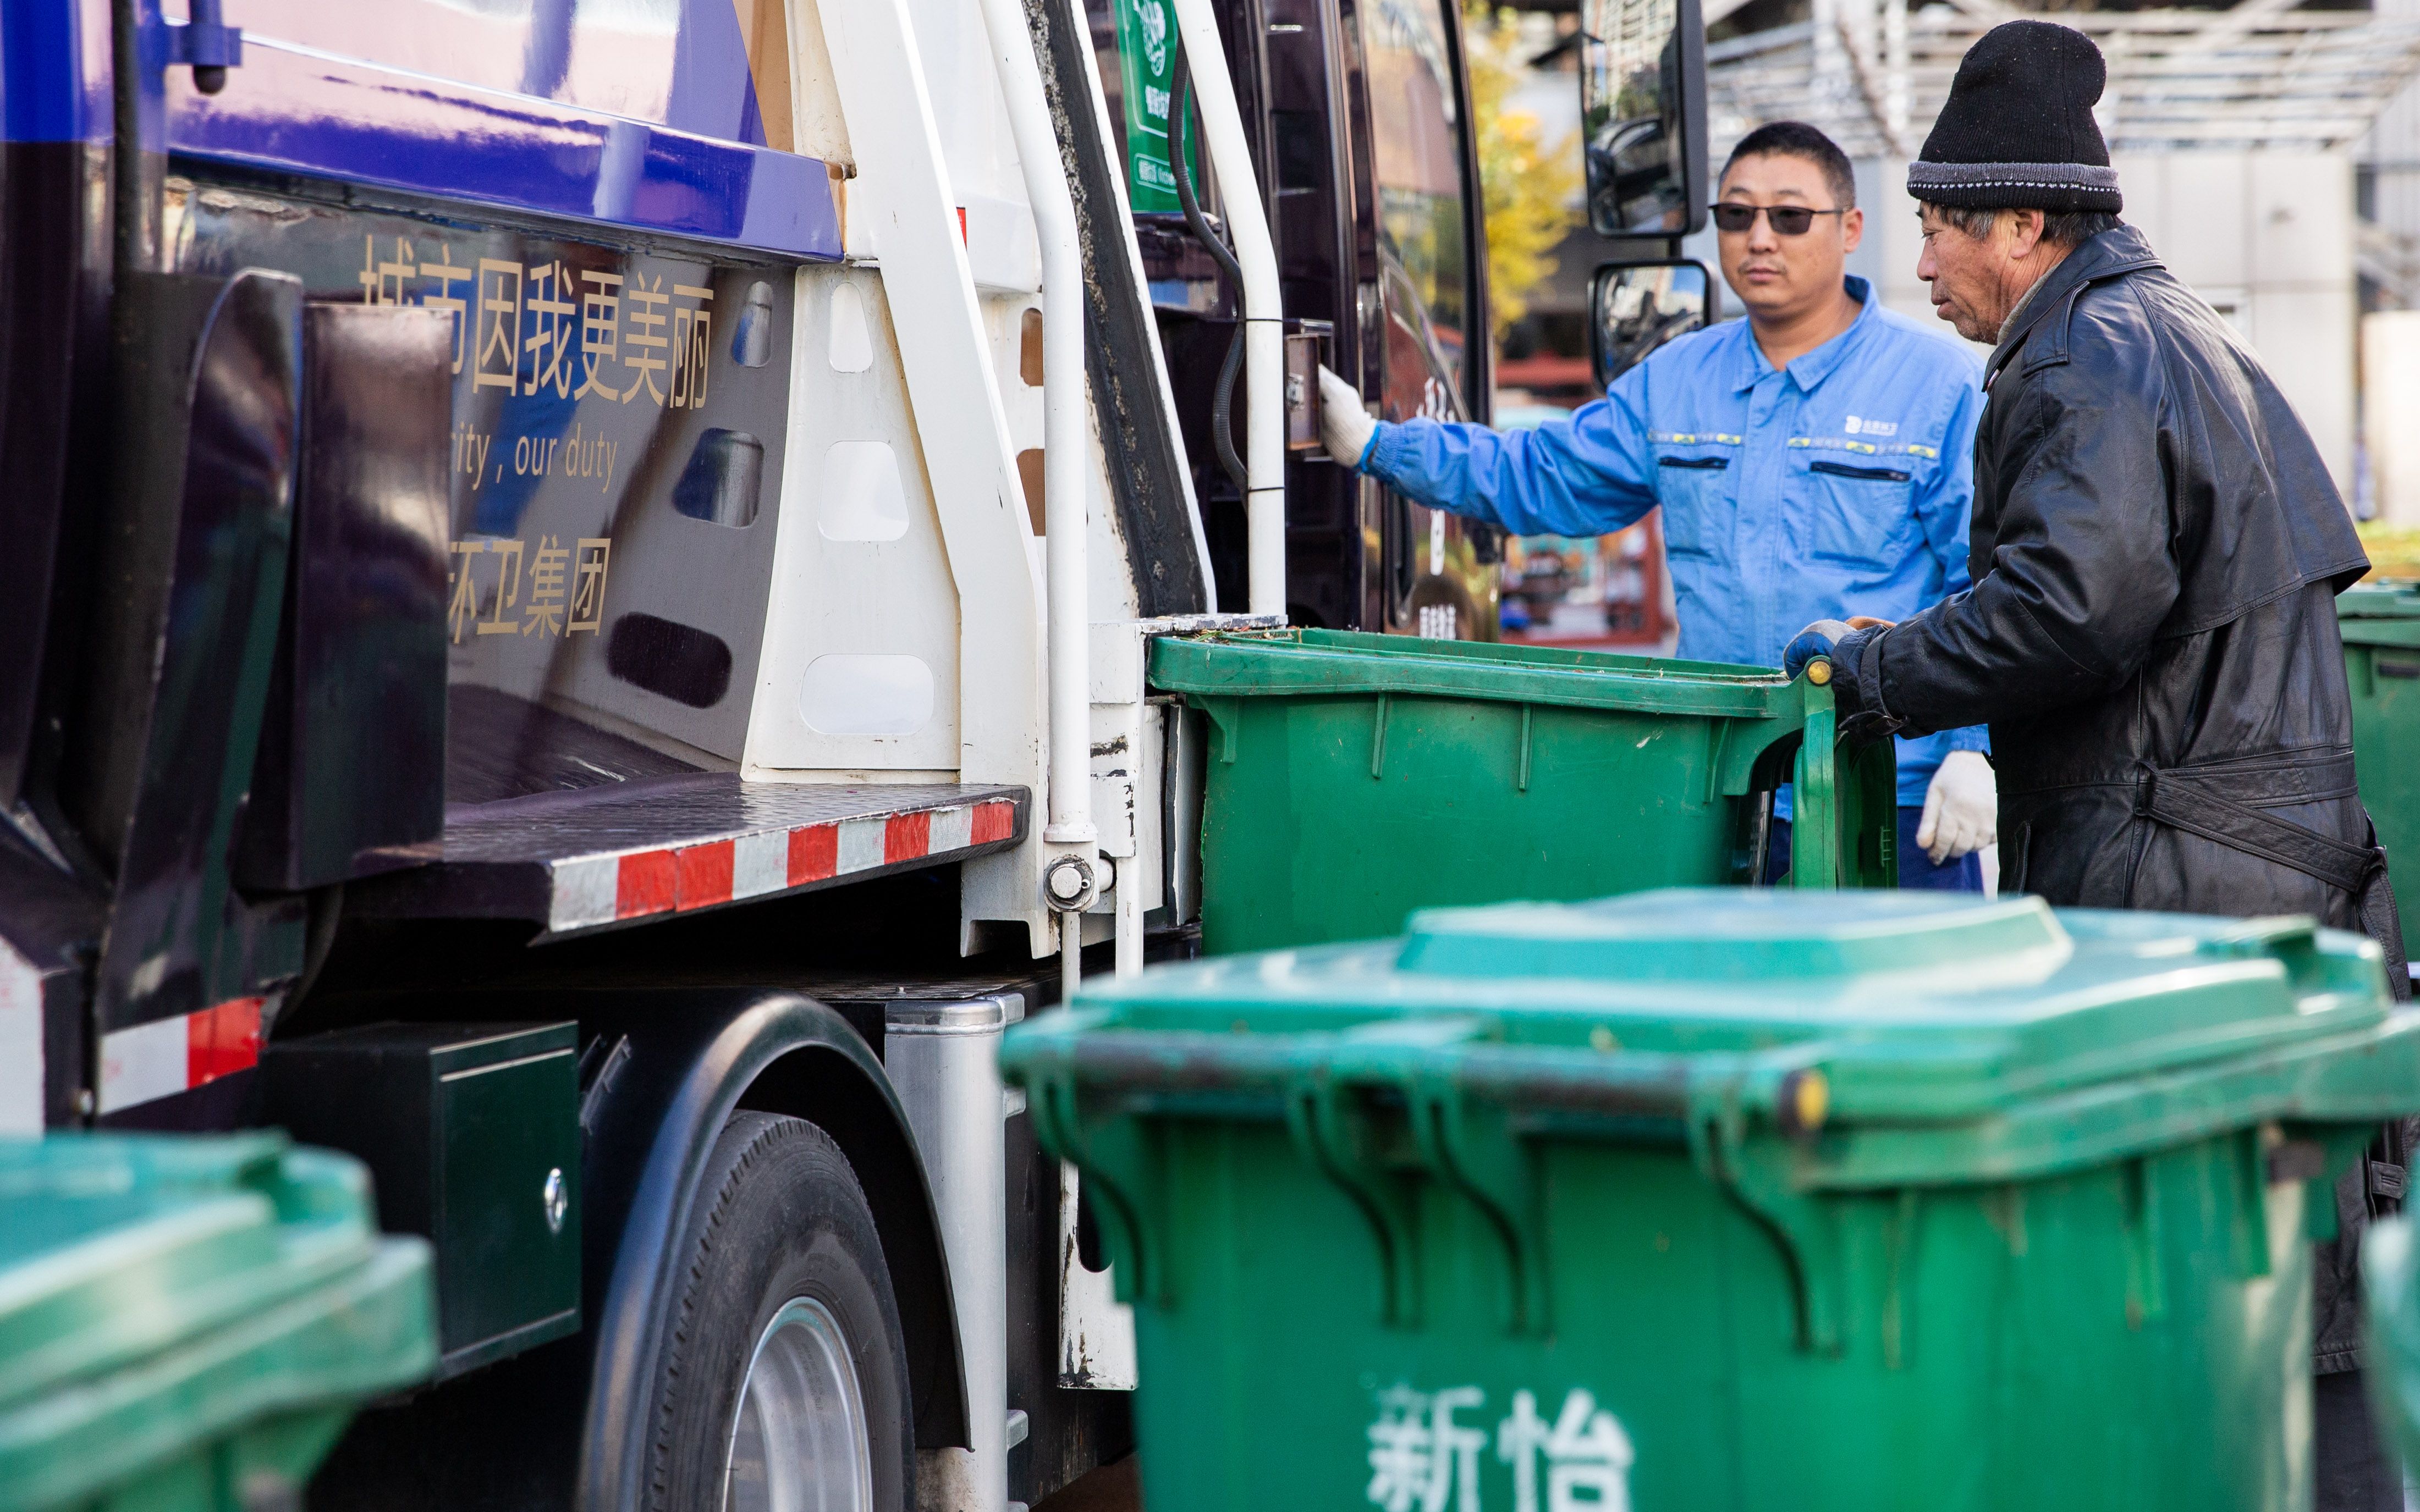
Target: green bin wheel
x,y
783,1381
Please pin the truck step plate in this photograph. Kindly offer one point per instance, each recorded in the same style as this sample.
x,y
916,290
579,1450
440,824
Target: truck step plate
x,y
584,860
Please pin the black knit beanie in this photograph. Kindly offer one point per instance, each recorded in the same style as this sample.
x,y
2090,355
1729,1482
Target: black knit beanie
x,y
2017,132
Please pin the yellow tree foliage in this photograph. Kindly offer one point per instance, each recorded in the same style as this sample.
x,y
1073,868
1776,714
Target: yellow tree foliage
x,y
1530,192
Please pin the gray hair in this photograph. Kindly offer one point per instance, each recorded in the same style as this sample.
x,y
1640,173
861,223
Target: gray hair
x,y
2060,228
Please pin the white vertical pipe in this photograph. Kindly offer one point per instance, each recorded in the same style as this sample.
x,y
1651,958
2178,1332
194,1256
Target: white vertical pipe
x,y
1127,896
1248,225
1065,423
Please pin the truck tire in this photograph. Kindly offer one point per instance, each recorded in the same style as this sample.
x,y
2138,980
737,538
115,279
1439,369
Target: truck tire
x,y
782,1381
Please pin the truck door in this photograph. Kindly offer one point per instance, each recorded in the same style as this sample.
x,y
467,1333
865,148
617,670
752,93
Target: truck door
x,y
1426,346
1359,108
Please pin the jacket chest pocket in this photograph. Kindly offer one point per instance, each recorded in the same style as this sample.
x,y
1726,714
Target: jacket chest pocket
x,y
1696,502
1857,512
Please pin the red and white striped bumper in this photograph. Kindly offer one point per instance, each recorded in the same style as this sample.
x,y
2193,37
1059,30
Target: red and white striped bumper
x,y
590,890
659,846
176,1054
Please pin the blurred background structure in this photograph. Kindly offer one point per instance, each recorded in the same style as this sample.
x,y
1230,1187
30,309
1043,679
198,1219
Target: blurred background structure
x,y
2271,151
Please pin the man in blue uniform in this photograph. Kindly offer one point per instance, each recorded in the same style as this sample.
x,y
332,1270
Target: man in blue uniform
x,y
1813,461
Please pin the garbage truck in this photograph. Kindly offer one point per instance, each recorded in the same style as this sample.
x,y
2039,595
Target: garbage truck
x,y
574,620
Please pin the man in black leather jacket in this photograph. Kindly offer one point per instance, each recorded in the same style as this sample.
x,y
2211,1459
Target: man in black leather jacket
x,y
2151,633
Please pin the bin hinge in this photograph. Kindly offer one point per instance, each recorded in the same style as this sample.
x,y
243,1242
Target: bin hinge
x,y
2250,1176
1336,1132
1471,1146
1756,1175
1118,1161
1226,715
2146,1292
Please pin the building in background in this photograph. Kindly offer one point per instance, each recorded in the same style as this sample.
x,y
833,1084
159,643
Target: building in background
x,y
2386,201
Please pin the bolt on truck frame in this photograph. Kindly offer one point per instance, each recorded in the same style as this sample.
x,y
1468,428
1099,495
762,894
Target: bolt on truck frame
x,y
573,585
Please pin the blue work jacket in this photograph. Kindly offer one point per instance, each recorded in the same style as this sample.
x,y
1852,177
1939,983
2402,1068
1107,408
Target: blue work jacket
x,y
1839,485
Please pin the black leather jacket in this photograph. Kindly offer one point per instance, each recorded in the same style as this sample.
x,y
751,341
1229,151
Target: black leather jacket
x,y
2156,551
2151,634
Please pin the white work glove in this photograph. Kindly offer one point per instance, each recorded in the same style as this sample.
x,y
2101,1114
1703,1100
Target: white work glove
x,y
1344,426
1962,808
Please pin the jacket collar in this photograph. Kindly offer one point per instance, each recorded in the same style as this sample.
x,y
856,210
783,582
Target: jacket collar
x,y
2116,252
1809,368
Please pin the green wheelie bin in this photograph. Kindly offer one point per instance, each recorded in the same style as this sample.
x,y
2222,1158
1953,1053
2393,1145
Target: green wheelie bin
x,y
1350,778
2381,645
187,1324
1704,1199
2389,1284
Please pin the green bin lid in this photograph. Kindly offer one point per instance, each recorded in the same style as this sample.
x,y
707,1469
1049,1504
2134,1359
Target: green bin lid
x,y
2380,601
1347,664
1954,1037
2379,614
156,1293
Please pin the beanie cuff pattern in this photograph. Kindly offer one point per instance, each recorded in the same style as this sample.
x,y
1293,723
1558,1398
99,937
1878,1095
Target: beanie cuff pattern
x,y
2037,186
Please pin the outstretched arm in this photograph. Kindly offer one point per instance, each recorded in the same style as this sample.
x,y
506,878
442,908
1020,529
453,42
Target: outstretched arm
x,y
1590,474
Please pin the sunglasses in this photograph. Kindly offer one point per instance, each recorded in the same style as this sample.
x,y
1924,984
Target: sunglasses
x,y
1786,219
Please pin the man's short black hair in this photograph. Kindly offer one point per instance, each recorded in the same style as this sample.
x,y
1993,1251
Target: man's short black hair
x,y
2070,229
1797,139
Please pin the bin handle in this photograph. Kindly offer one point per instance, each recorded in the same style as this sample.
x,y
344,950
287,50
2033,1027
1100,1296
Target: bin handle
x,y
1462,1102
1815,849
1796,1095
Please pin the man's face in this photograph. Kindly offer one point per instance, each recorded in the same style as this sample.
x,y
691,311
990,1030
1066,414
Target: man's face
x,y
1777,277
1975,280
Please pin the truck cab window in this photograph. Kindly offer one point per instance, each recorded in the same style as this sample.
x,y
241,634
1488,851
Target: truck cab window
x,y
1415,141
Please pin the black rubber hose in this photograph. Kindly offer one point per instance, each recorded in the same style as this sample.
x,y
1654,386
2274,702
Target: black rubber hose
x,y
1223,401
1222,414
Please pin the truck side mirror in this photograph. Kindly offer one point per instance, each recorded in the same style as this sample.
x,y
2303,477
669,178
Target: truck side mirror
x,y
1636,307
1643,117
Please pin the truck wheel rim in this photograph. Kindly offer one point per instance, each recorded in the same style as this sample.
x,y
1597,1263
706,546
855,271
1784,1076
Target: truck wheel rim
x,y
798,1443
